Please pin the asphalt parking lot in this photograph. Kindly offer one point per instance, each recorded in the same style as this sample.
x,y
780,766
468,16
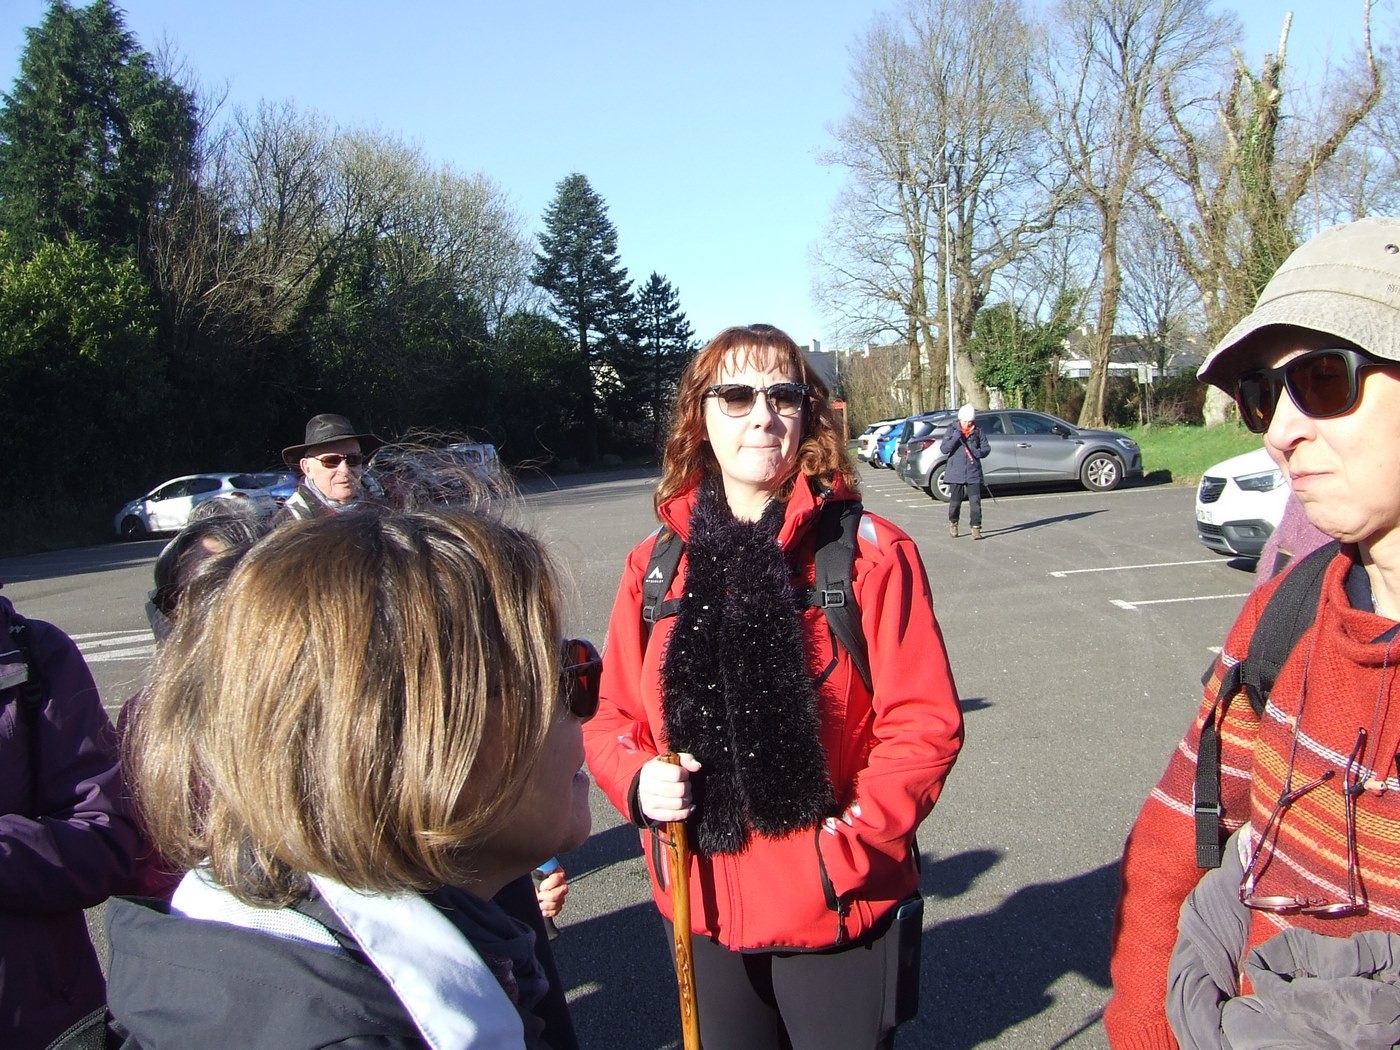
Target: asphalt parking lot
x,y
1078,629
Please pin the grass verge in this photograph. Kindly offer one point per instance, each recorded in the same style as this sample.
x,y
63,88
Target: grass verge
x,y
1184,453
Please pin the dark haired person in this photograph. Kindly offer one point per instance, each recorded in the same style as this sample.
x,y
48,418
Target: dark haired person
x,y
1294,940
332,462
802,786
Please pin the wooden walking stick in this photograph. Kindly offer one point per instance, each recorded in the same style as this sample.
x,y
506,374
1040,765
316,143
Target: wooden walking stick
x,y
679,855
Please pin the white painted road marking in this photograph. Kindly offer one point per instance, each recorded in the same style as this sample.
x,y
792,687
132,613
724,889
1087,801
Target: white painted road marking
x,y
1122,568
1134,606
98,646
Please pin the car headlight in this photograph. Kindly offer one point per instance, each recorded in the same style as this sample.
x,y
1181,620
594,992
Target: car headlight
x,y
1127,443
1265,481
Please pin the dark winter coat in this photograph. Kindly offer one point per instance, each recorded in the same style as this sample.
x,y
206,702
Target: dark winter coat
x,y
67,840
965,455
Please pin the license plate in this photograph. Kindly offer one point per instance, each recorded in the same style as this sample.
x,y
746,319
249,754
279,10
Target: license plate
x,y
1204,516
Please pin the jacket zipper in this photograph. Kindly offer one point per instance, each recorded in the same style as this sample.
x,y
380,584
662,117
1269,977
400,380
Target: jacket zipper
x,y
839,905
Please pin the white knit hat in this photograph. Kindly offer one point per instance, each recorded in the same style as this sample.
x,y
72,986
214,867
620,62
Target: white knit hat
x,y
966,414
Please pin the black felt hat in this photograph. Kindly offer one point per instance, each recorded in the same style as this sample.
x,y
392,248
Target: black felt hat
x,y
323,429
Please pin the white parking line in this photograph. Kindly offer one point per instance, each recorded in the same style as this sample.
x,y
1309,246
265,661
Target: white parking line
x,y
140,652
1134,606
104,647
1150,565
106,638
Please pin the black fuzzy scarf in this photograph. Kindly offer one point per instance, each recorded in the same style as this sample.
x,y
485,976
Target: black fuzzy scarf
x,y
735,688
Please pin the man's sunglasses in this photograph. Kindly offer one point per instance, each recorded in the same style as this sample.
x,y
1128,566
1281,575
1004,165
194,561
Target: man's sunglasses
x,y
737,399
333,460
580,677
1322,383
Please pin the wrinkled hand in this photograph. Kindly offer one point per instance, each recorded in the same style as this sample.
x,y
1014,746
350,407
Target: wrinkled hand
x,y
663,789
551,892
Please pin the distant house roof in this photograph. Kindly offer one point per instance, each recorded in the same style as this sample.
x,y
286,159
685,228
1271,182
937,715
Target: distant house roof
x,y
1128,351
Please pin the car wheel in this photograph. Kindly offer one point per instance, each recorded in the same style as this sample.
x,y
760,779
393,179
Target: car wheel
x,y
938,484
132,527
1101,472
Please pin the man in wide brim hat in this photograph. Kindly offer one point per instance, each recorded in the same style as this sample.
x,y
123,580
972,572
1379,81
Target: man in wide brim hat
x,y
331,460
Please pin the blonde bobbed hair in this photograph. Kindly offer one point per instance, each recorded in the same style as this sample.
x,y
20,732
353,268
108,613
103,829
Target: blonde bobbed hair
x,y
821,454
365,700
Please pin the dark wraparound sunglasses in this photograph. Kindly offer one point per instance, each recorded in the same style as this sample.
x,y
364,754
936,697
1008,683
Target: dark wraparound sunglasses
x,y
581,676
333,460
1322,383
737,399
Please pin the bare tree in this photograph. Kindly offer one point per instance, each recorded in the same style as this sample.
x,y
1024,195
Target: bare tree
x,y
1112,60
944,125
1237,181
1158,294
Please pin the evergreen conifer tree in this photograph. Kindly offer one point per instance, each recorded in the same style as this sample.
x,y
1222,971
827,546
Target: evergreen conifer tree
x,y
578,266
92,137
665,342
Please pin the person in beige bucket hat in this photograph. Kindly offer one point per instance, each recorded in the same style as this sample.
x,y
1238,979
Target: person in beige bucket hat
x,y
1269,947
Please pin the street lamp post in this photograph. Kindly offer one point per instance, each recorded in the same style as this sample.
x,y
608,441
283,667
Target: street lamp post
x,y
948,297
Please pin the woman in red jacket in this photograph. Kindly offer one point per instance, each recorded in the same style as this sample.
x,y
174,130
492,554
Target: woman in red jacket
x,y
802,787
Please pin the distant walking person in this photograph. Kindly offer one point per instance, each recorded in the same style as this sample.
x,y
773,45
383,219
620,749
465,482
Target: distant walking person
x,y
331,461
965,446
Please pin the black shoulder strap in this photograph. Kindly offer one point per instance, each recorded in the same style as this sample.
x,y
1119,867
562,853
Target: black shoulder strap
x,y
1289,612
31,683
28,681
661,570
834,592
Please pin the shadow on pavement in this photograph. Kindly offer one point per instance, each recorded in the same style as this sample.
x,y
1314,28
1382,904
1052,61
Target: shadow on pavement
x,y
1039,523
25,568
984,974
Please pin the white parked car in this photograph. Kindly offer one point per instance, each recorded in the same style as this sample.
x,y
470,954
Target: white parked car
x,y
166,508
1239,503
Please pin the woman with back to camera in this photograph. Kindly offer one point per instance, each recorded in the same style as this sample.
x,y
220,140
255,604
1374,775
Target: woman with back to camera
x,y
365,735
802,786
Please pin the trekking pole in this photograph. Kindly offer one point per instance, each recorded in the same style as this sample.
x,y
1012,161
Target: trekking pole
x,y
679,854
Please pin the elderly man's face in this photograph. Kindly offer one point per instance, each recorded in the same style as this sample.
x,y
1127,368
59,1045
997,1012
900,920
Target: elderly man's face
x,y
339,483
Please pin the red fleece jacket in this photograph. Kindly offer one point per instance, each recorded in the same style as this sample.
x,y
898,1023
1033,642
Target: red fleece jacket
x,y
888,751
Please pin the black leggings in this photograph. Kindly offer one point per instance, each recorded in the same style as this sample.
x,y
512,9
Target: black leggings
x,y
973,490
791,1000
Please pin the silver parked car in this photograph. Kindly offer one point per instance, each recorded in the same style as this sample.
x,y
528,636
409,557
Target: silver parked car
x,y
1034,448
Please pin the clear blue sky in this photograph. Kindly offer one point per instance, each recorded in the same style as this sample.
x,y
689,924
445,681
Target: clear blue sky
x,y
698,123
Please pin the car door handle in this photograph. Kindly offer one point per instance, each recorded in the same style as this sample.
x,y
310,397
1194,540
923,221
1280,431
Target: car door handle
x,y
1023,444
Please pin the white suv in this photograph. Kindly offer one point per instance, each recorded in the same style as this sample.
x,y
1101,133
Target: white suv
x,y
1239,503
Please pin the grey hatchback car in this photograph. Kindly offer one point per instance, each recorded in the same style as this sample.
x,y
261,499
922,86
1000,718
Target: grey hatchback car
x,y
1034,448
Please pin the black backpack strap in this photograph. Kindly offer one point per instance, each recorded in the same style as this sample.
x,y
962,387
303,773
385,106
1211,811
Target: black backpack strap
x,y
30,691
666,552
834,592
1288,614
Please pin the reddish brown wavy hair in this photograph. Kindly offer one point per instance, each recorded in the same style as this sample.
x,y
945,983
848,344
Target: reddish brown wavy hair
x,y
821,454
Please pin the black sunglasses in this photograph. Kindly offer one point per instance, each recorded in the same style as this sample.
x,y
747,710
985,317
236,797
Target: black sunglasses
x,y
581,676
737,399
333,460
1322,383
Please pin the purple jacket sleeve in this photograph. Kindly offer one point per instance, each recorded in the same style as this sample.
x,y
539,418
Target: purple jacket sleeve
x,y
68,837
